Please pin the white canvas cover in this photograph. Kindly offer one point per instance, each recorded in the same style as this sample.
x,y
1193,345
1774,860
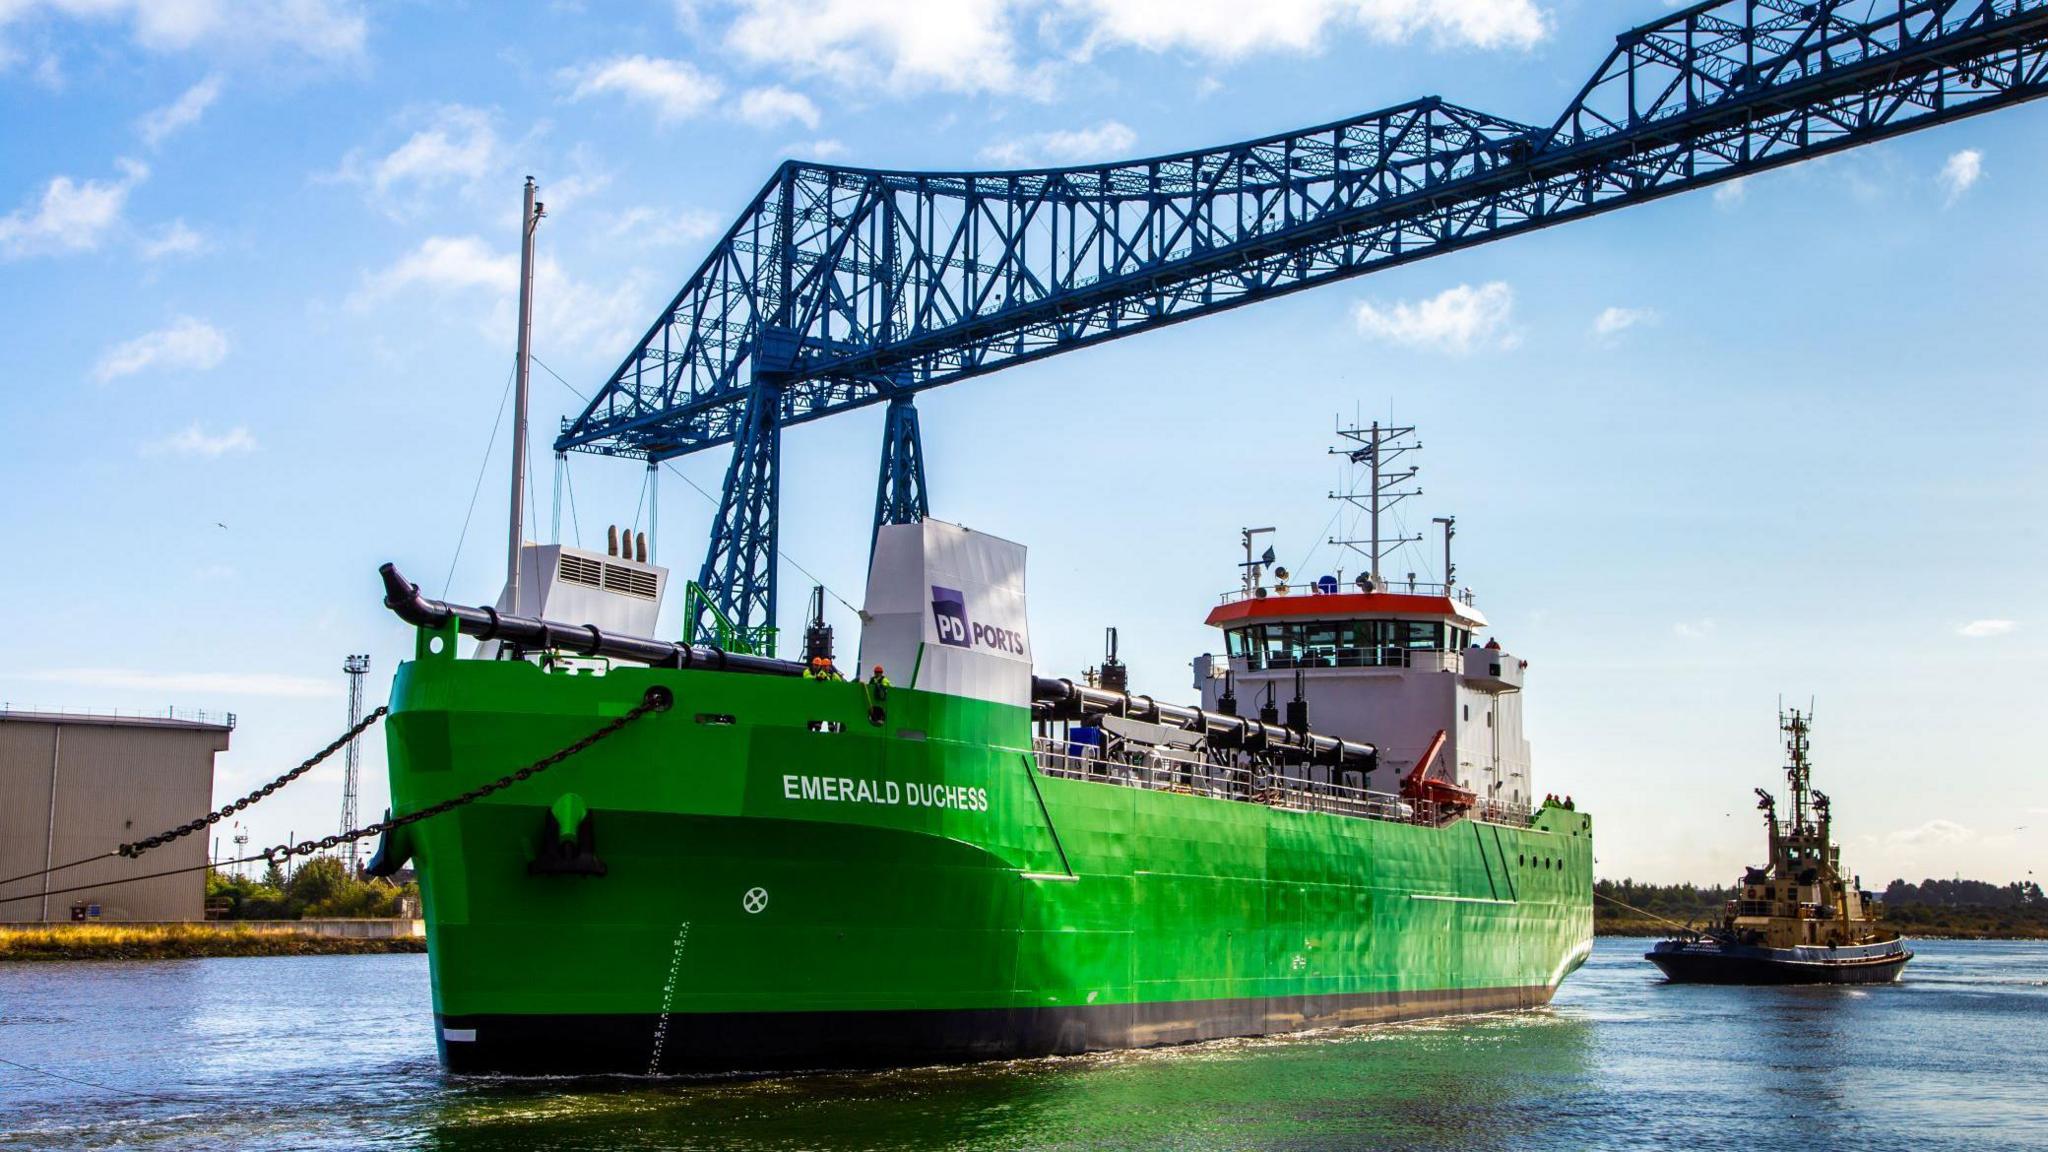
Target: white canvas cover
x,y
946,613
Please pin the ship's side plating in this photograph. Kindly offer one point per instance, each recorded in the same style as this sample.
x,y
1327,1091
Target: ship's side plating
x,y
789,884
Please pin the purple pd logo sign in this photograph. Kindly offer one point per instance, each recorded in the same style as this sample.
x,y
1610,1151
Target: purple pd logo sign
x,y
949,613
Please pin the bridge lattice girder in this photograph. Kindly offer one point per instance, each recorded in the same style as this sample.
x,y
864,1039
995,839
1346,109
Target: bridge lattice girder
x,y
842,287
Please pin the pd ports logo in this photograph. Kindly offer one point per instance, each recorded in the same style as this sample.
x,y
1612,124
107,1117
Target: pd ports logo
x,y
949,613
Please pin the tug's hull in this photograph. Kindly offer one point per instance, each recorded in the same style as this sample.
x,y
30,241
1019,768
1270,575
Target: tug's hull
x,y
779,897
1709,961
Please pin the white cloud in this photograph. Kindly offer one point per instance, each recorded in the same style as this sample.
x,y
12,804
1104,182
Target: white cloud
x,y
1230,28
457,144
443,262
71,216
190,683
1978,629
562,191
49,71
824,149
1006,46
189,344
674,89
1729,193
655,226
1455,320
1108,140
159,124
174,239
567,311
322,29
1613,321
1935,832
1962,171
905,45
1694,629
775,105
195,440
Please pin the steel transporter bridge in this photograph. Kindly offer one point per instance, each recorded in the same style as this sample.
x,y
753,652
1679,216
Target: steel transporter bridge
x,y
839,288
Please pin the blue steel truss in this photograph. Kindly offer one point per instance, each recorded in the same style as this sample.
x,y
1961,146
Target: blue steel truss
x,y
899,492
843,287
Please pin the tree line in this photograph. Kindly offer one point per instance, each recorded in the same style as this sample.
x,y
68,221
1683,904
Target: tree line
x,y
320,887
1931,907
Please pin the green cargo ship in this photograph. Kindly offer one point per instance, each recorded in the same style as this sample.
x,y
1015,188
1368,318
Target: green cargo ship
x,y
771,868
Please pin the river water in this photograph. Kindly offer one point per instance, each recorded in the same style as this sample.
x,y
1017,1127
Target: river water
x,y
337,1052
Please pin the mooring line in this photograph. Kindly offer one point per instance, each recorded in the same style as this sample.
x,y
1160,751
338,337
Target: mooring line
x,y
668,992
101,1087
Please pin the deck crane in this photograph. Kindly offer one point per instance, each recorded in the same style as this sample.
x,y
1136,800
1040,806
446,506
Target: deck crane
x,y
838,287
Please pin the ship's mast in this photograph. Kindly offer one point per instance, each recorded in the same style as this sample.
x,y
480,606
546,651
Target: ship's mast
x,y
1797,770
1377,445
529,220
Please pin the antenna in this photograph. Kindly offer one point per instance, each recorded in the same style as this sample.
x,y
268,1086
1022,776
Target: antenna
x,y
1450,524
355,667
1251,566
1377,446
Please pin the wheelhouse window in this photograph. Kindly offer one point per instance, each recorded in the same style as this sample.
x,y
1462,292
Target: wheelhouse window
x,y
1340,643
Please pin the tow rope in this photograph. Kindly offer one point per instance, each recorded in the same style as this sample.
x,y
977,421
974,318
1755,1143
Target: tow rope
x,y
1644,912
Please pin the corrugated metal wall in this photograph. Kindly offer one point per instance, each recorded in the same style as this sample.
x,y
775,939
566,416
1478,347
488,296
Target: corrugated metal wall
x,y
115,782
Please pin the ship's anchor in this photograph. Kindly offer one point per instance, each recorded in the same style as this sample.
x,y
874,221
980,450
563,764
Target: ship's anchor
x,y
568,841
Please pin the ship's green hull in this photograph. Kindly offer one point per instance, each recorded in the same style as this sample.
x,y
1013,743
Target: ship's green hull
x,y
781,897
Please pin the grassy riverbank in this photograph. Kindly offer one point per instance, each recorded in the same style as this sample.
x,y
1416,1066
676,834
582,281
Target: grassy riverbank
x,y
180,942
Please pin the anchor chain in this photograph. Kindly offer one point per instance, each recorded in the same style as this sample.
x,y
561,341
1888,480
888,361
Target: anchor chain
x,y
137,848
656,700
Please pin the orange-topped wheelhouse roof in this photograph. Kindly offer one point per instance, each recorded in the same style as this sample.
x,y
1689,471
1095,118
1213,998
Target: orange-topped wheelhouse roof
x,y
1343,606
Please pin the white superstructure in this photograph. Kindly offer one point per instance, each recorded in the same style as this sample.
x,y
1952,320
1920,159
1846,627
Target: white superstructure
x,y
1390,662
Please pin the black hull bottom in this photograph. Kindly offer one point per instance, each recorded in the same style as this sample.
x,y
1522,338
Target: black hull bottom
x,y
1683,968
742,1043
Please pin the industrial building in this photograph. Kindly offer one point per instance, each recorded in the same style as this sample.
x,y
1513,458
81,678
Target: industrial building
x,y
75,784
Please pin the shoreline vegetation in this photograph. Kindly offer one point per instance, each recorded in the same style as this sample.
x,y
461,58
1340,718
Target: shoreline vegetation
x,y
245,916
188,941
1938,909
1931,909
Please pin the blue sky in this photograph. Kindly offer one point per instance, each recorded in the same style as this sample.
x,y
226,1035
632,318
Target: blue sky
x,y
1780,438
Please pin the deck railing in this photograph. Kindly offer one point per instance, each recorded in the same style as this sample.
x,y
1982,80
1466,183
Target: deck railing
x,y
1305,591
1172,770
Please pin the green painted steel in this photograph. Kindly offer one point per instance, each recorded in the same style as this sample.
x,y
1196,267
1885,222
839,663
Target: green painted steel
x,y
770,849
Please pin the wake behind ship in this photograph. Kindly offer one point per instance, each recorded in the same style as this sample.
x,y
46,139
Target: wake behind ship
x,y
755,865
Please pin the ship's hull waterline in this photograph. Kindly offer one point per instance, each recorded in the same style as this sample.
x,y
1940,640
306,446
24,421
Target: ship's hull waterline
x,y
789,885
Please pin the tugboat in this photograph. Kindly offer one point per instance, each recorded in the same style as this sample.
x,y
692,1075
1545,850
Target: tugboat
x,y
1797,921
